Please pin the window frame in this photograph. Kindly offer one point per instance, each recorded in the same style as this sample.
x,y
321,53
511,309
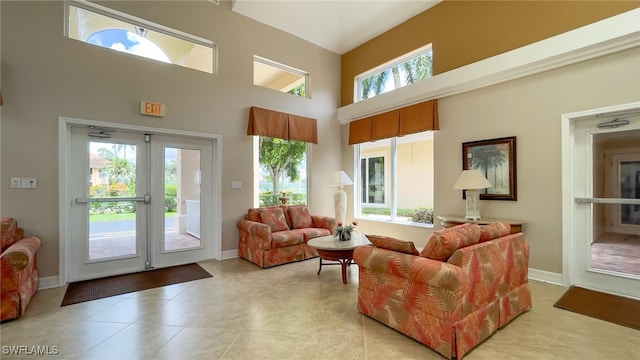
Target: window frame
x,y
303,74
139,22
391,191
257,171
357,86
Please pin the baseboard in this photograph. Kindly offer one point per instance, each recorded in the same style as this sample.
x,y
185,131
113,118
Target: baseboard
x,y
546,276
229,254
48,282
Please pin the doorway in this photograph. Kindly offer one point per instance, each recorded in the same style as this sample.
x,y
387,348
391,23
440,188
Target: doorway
x,y
601,199
136,198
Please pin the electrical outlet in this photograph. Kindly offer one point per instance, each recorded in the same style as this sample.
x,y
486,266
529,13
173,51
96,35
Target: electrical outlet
x,y
15,183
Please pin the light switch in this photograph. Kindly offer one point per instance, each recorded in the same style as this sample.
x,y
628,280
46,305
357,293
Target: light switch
x,y
15,183
236,184
28,183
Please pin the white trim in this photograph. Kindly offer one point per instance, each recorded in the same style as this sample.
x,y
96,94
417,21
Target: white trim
x,y
569,263
601,38
229,254
49,282
64,136
546,276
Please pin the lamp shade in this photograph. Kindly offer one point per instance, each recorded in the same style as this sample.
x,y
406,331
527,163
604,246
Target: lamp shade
x,y
340,178
471,179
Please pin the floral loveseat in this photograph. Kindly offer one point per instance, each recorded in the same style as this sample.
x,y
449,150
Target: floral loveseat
x,y
278,234
19,270
467,282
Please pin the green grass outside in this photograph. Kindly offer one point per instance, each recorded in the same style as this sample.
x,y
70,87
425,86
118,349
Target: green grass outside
x,y
121,216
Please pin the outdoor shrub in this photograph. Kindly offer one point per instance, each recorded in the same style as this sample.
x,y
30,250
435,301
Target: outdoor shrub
x,y
170,203
118,189
422,215
170,189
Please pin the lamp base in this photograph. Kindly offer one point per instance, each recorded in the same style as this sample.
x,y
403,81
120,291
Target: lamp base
x,y
340,204
473,205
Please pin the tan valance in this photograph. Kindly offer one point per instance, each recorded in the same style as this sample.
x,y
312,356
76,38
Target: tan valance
x,y
407,120
281,125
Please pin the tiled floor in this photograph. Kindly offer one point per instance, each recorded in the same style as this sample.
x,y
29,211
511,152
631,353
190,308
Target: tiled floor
x,y
286,312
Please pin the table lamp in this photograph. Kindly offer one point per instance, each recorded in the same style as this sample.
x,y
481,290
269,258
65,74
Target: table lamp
x,y
472,181
340,179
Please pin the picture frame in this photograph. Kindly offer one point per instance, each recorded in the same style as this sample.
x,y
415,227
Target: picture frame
x,y
496,159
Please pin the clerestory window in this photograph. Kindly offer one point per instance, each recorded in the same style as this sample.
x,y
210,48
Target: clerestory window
x,y
108,28
400,72
270,74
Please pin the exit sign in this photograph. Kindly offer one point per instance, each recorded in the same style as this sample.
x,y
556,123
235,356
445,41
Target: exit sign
x,y
151,108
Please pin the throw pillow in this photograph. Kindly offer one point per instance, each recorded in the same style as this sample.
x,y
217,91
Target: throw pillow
x,y
274,217
300,217
443,243
253,215
389,243
494,230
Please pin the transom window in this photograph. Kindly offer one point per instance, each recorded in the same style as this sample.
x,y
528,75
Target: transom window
x,y
104,27
280,77
400,72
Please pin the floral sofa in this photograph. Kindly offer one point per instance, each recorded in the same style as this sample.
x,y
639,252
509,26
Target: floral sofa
x,y
19,280
278,235
465,284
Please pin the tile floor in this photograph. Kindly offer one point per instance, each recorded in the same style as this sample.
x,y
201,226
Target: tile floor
x,y
286,312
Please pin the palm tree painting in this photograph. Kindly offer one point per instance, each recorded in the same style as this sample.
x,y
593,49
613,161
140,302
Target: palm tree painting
x,y
495,158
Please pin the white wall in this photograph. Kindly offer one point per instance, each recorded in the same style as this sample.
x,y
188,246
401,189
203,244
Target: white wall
x,y
45,75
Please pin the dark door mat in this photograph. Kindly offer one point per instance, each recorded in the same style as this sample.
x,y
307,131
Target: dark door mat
x,y
615,309
94,289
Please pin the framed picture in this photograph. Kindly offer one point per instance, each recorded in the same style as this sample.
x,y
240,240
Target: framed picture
x,y
496,159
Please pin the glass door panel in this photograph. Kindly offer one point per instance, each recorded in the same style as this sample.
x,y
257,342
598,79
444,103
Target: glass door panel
x,y
112,216
182,179
615,244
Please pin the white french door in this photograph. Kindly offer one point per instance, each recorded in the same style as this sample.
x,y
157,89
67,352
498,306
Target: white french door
x,y
137,201
602,200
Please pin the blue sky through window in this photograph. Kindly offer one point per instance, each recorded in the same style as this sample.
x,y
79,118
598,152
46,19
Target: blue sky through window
x,y
125,41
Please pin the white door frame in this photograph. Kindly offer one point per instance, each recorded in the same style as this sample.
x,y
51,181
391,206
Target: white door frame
x,y
570,266
64,136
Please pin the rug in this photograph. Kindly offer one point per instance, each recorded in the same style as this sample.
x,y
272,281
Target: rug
x,y
94,289
615,309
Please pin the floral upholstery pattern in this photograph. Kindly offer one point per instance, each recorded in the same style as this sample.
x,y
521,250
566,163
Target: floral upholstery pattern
x,y
389,243
300,217
442,243
494,230
19,273
274,217
450,306
260,244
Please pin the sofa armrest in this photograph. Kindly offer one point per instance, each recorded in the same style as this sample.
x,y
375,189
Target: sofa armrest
x,y
325,222
411,267
19,255
258,234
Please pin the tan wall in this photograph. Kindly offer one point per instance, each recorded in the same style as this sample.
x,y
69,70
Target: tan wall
x,y
530,109
45,75
463,32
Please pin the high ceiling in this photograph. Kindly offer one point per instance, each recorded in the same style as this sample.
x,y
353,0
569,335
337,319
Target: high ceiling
x,y
336,25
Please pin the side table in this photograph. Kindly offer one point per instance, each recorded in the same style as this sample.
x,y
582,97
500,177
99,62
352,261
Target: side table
x,y
339,252
447,221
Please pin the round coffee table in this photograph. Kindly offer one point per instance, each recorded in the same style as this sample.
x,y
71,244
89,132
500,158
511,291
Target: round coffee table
x,y
340,252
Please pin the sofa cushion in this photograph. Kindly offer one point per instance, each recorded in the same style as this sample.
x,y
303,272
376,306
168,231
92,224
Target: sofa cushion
x,y
254,215
310,233
286,238
300,217
442,243
494,230
389,243
274,217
